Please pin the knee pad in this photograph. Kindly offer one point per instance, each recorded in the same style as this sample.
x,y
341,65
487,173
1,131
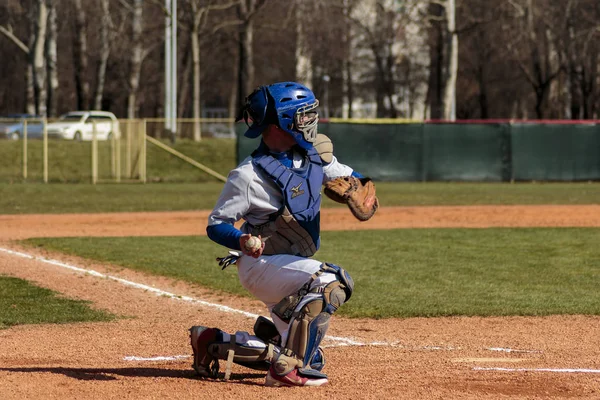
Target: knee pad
x,y
342,276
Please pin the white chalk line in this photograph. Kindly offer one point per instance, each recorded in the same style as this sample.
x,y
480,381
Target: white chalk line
x,y
159,358
508,350
556,370
343,341
339,341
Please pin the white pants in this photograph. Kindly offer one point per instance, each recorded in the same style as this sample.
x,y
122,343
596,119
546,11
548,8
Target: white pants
x,y
271,278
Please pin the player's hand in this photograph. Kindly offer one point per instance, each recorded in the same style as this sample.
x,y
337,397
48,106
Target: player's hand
x,y
249,249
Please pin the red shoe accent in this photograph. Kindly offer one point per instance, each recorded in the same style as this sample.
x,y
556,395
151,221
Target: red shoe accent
x,y
292,379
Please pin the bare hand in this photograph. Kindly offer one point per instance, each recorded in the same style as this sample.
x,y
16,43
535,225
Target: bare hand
x,y
253,252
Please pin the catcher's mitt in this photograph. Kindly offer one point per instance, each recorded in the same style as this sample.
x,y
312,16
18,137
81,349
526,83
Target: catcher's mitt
x,y
358,194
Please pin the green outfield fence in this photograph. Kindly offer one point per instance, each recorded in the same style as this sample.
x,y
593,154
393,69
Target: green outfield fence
x,y
386,150
494,151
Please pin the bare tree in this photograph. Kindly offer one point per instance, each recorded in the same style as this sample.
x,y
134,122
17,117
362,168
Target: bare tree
x,y
304,64
39,64
106,26
246,11
580,36
80,50
7,31
135,63
379,34
347,70
452,66
197,26
532,52
51,58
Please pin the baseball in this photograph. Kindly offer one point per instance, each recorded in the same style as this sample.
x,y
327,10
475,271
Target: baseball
x,y
253,244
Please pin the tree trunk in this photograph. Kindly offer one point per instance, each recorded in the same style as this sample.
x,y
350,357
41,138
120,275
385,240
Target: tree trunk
x,y
104,53
51,59
80,56
452,66
196,83
349,84
246,64
136,59
30,96
234,110
246,10
39,66
347,69
436,51
483,101
183,93
390,84
304,69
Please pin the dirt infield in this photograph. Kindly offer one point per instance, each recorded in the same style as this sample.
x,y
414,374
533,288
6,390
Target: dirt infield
x,y
417,358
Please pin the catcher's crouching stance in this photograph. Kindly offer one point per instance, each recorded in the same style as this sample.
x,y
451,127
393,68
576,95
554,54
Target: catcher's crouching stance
x,y
277,192
307,314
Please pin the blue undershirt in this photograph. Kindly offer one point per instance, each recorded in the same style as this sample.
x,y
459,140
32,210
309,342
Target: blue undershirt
x,y
228,235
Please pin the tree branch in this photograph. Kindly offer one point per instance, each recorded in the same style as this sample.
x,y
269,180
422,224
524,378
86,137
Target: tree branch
x,y
126,5
16,40
517,7
222,6
225,24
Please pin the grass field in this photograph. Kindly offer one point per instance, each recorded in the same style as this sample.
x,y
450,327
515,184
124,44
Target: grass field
x,y
22,198
403,273
23,303
398,273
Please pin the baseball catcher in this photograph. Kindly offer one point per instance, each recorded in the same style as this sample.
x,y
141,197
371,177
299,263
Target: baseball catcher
x,y
277,192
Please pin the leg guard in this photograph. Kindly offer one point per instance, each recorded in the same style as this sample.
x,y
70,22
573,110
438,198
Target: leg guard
x,y
211,345
309,323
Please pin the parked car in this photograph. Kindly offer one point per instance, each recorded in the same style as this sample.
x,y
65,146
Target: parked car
x,y
79,125
13,127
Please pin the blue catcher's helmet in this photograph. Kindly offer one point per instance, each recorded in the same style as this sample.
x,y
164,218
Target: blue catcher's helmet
x,y
289,105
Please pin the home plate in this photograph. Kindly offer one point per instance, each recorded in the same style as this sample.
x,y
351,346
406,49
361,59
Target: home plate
x,y
489,359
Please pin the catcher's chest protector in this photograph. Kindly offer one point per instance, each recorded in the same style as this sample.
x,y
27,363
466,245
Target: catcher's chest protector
x,y
295,229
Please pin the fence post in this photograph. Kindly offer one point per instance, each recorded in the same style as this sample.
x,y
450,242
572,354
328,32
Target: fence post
x,y
118,150
128,152
143,151
45,154
25,149
113,161
94,154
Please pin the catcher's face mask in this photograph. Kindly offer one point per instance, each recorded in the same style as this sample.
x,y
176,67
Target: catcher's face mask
x,y
306,120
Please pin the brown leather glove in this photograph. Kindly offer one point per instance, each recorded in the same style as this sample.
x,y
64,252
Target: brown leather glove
x,y
358,194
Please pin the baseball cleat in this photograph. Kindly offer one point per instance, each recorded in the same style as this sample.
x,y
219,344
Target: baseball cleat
x,y
204,364
293,378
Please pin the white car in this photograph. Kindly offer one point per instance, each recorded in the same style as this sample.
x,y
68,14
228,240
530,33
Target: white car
x,y
79,125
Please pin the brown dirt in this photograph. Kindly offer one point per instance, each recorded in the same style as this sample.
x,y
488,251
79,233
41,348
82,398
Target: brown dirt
x,y
432,358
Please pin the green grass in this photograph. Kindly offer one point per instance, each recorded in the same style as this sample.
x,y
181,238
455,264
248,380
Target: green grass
x,y
58,198
404,273
70,162
217,154
80,198
23,303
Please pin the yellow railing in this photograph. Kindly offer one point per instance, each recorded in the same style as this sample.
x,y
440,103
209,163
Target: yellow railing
x,y
127,138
